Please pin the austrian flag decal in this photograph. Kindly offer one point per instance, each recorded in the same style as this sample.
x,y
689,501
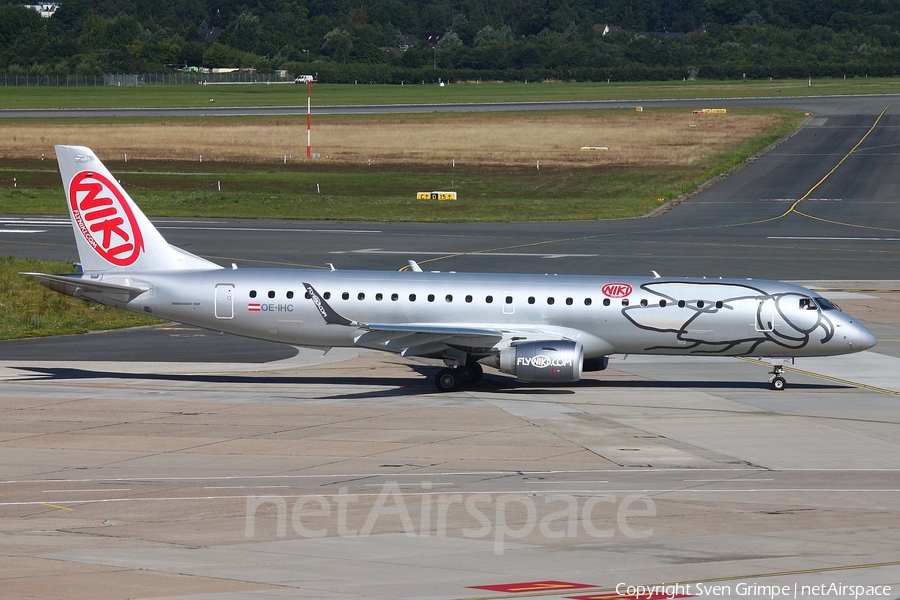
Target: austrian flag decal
x,y
253,307
104,218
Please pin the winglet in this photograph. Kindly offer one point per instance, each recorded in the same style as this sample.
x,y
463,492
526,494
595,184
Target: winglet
x,y
414,266
330,315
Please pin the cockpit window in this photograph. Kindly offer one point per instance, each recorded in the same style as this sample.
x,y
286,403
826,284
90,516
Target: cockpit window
x,y
825,304
807,304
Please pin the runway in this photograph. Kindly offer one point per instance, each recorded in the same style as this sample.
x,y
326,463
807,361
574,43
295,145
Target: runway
x,y
133,466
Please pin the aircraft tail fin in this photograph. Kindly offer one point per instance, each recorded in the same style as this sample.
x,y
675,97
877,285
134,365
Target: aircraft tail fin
x,y
111,232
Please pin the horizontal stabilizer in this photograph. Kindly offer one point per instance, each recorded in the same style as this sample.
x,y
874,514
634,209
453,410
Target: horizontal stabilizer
x,y
69,284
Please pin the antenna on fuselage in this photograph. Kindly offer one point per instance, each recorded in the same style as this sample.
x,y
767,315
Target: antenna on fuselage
x,y
655,274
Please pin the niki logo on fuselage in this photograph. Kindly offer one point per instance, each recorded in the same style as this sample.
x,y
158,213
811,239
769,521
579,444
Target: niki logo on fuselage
x,y
616,290
104,219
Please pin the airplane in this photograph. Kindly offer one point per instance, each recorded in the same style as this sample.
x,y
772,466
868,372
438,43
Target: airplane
x,y
538,328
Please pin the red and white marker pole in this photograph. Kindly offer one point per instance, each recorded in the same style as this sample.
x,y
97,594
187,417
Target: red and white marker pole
x,y
308,119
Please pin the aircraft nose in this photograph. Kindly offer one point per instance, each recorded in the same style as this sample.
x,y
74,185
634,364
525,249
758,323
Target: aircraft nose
x,y
861,338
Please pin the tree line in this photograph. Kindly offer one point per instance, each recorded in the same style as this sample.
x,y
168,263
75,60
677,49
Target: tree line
x,y
389,41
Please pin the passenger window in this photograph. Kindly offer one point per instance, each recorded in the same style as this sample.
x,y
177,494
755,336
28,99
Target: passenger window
x,y
412,297
719,304
550,300
394,297
271,293
360,296
469,299
662,303
681,304
448,298
489,299
307,295
587,301
569,301
326,295
378,297
700,304
606,302
624,301
644,302
508,300
289,295
345,295
431,297
253,293
530,299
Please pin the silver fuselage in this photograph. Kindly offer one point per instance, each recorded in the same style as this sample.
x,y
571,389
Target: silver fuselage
x,y
607,315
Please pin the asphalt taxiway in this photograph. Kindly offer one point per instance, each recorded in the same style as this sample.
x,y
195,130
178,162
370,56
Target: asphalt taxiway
x,y
131,466
349,477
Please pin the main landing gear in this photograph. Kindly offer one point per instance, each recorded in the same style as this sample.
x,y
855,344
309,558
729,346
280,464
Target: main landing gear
x,y
452,379
777,381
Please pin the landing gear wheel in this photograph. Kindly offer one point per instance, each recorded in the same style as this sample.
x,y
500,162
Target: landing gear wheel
x,y
470,373
447,380
777,382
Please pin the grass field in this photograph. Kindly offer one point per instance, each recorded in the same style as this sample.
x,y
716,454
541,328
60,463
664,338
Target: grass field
x,y
374,165
324,94
661,138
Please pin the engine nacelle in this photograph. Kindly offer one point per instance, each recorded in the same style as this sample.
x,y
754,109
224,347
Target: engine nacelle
x,y
544,362
595,364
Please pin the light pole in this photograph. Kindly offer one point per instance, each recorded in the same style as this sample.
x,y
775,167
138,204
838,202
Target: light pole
x,y
307,56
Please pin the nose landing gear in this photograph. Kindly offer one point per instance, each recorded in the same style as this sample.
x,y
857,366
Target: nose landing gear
x,y
777,381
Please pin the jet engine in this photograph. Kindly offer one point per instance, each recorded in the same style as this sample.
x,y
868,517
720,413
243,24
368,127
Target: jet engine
x,y
551,361
595,364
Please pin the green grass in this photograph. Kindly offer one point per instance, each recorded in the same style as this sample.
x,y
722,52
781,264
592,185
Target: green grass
x,y
332,94
28,309
382,193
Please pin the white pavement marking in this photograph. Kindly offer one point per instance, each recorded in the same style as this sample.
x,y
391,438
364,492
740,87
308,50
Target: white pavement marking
x,y
845,239
279,229
22,230
461,252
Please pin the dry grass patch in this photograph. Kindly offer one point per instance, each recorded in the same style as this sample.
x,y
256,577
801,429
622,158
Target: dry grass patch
x,y
664,138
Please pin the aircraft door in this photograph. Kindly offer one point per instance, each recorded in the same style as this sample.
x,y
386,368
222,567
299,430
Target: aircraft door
x,y
765,315
509,303
224,301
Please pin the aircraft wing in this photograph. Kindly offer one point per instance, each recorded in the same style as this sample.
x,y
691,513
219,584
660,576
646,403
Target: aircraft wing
x,y
411,339
424,339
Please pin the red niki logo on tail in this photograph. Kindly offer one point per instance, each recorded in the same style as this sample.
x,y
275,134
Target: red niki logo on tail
x,y
105,219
